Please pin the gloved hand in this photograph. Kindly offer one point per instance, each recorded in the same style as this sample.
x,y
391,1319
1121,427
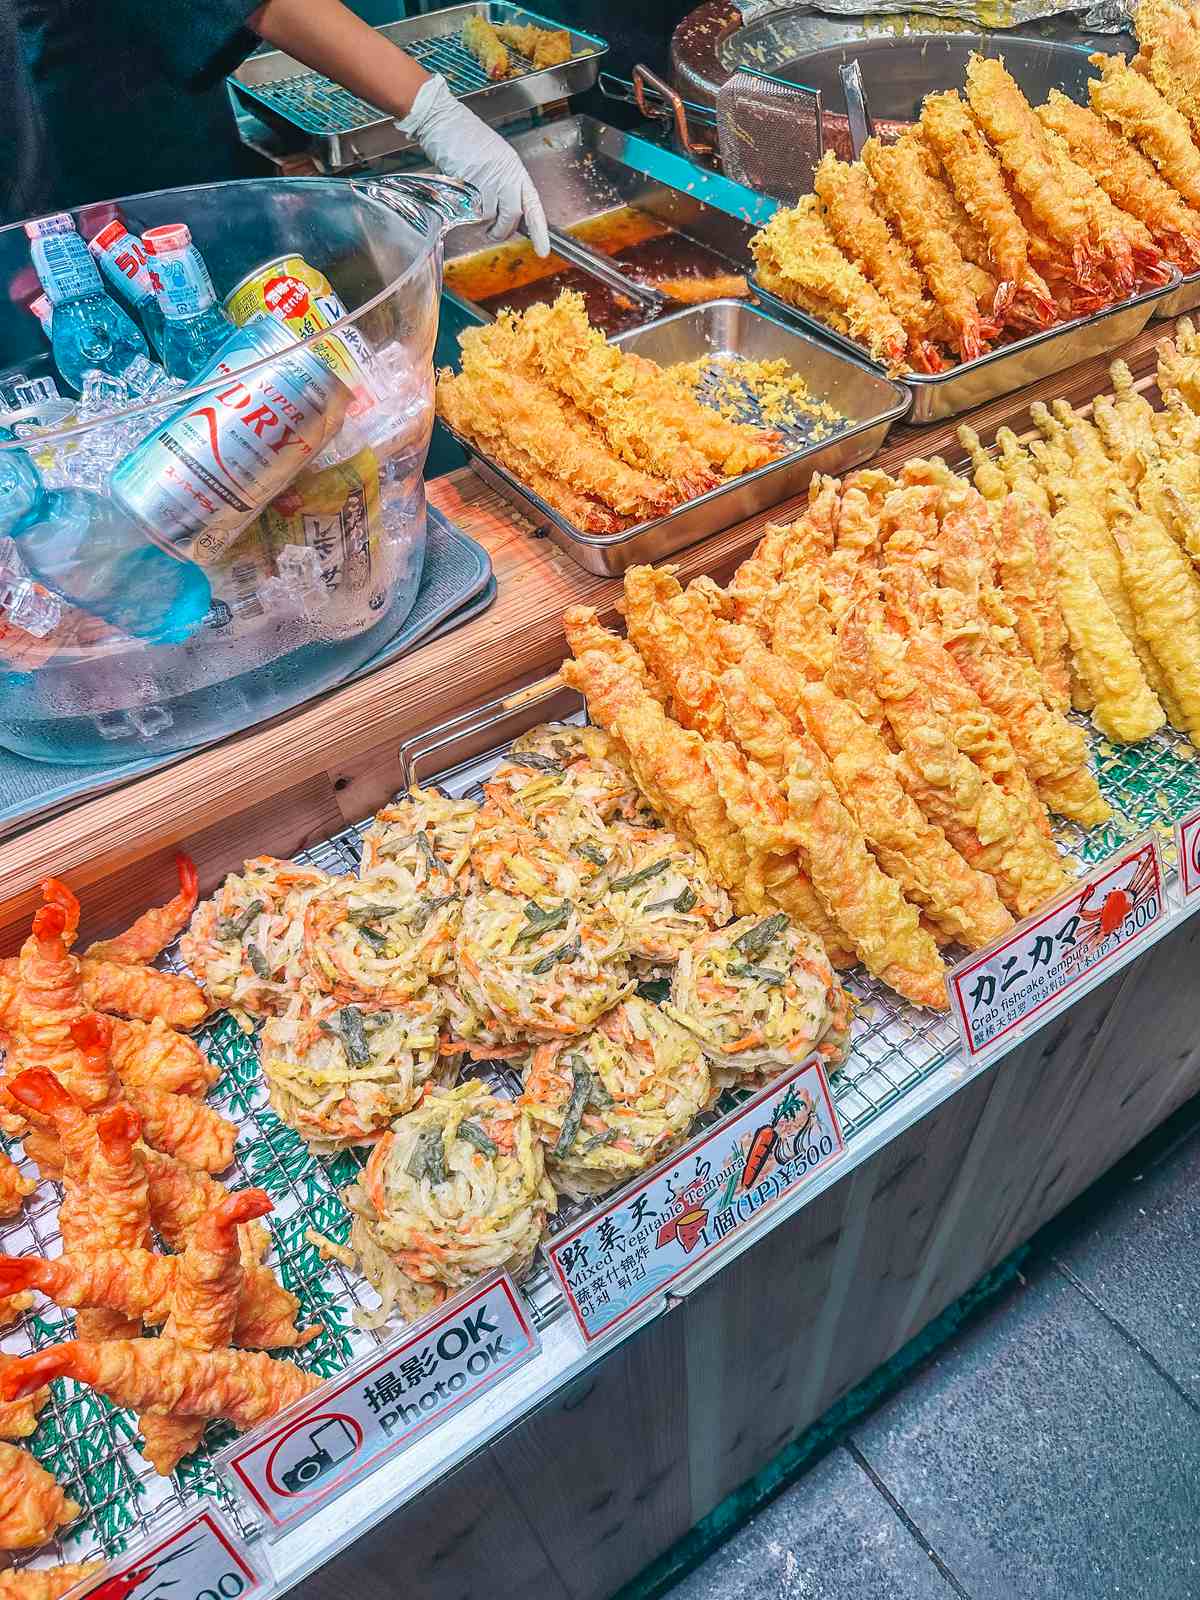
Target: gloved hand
x,y
461,146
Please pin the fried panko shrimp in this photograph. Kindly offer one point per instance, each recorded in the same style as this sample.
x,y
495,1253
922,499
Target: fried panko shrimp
x,y
152,1055
1170,55
484,43
456,1189
32,1506
905,187
46,1583
1021,144
616,1100
1124,708
1125,246
424,832
1127,177
545,47
578,360
584,511
1136,107
203,1316
759,996
337,1075
15,1188
853,215
155,929
1163,591
1052,750
798,258
983,824
977,179
243,1387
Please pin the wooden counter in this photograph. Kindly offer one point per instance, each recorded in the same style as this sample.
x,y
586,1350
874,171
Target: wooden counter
x,y
299,779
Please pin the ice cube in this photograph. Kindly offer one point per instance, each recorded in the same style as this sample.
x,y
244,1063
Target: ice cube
x,y
115,725
144,378
100,393
8,391
299,565
30,607
35,393
149,720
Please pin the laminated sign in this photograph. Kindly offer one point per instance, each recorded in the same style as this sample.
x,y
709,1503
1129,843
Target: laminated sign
x,y
662,1226
1187,842
200,1559
1010,981
382,1404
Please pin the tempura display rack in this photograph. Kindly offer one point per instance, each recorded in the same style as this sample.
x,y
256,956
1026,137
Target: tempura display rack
x,y
903,1061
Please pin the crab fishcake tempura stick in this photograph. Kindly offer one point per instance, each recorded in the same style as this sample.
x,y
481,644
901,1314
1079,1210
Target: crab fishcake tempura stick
x,y
32,1506
1025,567
905,187
751,592
669,652
1125,709
46,1583
154,929
242,1386
1145,117
802,631
1162,590
584,632
1127,177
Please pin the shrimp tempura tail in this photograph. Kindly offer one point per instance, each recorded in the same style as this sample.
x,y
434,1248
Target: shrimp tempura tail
x,y
154,929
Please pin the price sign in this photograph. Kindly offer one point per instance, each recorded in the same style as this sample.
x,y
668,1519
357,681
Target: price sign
x,y
661,1226
200,1559
1187,842
1010,981
312,1451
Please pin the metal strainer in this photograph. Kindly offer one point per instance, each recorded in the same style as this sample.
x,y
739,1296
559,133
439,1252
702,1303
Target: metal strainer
x,y
769,133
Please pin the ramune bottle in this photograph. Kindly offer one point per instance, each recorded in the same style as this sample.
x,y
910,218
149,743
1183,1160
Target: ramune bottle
x,y
193,323
89,330
122,261
90,552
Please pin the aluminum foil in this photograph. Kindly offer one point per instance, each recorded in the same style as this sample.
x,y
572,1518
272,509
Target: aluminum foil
x,y
1106,16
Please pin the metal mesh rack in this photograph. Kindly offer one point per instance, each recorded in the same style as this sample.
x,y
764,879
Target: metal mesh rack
x,y
90,1446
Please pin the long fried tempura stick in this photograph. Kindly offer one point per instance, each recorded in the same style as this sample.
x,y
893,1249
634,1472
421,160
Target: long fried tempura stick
x,y
482,40
242,1386
46,1583
1144,116
154,929
1125,709
32,1506
1162,590
1029,579
203,1313
670,655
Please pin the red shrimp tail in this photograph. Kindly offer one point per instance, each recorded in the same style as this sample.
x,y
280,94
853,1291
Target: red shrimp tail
x,y
93,1033
926,357
56,893
41,1091
27,1374
118,1130
245,1206
16,1274
1006,292
189,879
49,924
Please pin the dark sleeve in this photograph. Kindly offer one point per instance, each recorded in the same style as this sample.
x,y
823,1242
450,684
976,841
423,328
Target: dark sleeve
x,y
199,41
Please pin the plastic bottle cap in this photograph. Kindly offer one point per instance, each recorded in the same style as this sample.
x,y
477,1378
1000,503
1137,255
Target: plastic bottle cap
x,y
109,234
59,222
170,236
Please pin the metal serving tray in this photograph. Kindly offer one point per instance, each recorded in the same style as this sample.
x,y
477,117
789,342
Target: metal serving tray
x,y
1185,298
974,383
868,399
339,131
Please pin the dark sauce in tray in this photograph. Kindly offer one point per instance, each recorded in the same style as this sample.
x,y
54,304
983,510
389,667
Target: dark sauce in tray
x,y
645,249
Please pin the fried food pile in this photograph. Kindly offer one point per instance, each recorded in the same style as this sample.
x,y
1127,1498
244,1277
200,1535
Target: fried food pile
x,y
864,730
607,439
521,928
1121,490
491,43
989,219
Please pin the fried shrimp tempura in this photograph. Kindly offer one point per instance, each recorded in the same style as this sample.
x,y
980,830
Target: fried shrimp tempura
x,y
1124,707
856,222
142,992
19,1418
242,1386
798,257
32,1506
152,1055
1127,177
1163,592
482,40
1170,55
14,1187
905,187
154,930
1150,121
46,1583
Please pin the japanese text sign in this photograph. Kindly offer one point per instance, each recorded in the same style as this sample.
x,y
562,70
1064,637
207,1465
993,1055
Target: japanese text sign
x,y
620,1257
200,1559
1187,840
309,1454
1011,981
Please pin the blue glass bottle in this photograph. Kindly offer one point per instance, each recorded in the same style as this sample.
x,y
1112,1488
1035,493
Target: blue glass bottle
x,y
194,325
88,330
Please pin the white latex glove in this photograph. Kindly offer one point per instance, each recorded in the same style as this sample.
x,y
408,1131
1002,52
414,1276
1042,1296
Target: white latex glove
x,y
461,146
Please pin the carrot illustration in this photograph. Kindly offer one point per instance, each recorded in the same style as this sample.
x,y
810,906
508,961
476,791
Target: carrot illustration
x,y
759,1153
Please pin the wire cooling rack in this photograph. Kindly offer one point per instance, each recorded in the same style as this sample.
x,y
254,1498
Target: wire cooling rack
x,y
90,1445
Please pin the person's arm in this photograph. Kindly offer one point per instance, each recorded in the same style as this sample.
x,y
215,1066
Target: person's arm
x,y
331,39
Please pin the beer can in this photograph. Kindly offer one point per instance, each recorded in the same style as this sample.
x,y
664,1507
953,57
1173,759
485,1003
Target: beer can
x,y
295,293
208,470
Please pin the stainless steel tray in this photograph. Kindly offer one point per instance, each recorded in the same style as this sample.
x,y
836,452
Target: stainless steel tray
x,y
340,131
1176,301
869,400
1000,372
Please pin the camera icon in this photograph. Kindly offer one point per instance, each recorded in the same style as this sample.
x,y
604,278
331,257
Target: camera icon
x,y
330,1444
